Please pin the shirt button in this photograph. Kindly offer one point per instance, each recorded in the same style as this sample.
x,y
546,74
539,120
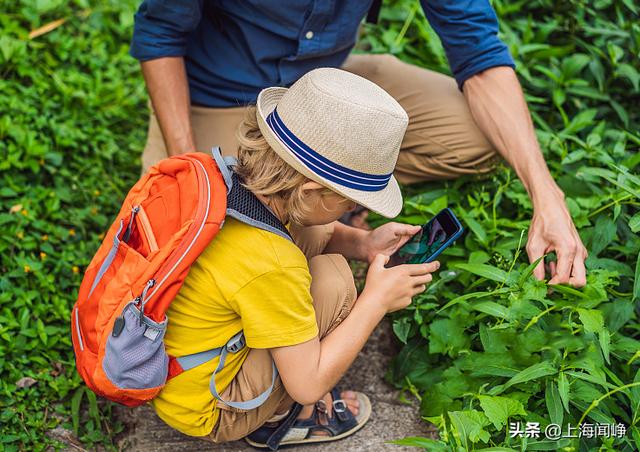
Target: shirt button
x,y
309,35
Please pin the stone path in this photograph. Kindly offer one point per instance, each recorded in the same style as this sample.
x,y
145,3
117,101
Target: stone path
x,y
390,419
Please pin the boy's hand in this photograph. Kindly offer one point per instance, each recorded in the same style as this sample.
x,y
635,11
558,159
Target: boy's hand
x,y
387,239
391,289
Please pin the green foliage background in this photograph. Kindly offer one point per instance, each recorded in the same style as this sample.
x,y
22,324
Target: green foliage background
x,y
485,345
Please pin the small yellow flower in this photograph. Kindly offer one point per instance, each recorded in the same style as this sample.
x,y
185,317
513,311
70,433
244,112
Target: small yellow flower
x,y
27,269
75,269
96,193
24,212
43,255
44,237
20,235
72,231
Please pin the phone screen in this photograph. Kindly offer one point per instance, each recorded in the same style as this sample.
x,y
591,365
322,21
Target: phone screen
x,y
434,237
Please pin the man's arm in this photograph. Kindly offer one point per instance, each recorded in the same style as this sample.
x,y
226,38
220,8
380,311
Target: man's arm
x,y
160,38
166,80
481,64
499,108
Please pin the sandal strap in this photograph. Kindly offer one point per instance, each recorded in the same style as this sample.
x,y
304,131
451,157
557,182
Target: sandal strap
x,y
340,409
276,437
341,420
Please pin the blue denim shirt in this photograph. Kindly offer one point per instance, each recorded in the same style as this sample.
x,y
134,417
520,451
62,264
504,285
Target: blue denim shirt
x,y
235,48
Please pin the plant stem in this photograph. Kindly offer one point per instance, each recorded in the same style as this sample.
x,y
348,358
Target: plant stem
x,y
406,24
606,206
600,399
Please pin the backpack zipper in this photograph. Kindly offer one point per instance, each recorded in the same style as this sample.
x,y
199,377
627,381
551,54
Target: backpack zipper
x,y
127,232
200,219
78,331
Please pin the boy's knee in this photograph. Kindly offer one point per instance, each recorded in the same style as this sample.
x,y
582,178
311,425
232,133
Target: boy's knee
x,y
333,290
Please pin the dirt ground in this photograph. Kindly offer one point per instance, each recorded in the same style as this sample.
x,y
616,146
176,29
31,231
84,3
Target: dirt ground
x,y
390,420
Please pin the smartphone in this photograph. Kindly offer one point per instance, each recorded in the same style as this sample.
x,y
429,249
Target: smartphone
x,y
430,241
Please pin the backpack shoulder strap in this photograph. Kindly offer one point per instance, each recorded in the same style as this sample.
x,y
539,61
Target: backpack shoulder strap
x,y
244,205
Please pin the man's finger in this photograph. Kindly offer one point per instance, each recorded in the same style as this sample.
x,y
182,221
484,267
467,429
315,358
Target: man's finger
x,y
578,273
563,266
535,251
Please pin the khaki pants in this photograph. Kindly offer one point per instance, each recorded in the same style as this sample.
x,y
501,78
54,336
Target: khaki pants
x,y
334,292
442,140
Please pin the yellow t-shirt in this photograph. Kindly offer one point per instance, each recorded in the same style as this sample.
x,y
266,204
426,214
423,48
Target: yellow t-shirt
x,y
246,279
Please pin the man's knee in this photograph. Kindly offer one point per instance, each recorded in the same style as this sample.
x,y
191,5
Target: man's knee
x,y
333,290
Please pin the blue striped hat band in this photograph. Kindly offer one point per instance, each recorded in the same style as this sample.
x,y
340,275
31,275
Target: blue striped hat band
x,y
321,165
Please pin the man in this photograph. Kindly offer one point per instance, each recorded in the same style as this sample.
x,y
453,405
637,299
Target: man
x,y
204,60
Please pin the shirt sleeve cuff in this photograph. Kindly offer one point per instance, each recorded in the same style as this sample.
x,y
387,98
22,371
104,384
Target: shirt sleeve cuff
x,y
501,58
284,339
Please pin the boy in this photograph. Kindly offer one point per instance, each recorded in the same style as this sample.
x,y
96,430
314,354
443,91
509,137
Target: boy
x,y
309,153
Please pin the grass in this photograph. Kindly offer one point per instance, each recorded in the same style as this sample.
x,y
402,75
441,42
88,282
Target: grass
x,y
484,346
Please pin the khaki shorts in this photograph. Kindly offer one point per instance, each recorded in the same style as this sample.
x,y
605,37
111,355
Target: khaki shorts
x,y
442,140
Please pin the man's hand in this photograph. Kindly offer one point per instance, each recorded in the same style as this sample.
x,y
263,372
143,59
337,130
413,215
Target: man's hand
x,y
498,107
552,230
387,239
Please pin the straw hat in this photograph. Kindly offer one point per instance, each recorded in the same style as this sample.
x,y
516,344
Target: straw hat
x,y
341,131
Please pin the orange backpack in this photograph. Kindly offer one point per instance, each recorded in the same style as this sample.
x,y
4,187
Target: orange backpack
x,y
119,320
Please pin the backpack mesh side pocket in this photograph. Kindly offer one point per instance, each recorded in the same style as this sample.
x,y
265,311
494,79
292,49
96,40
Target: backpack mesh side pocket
x,y
135,356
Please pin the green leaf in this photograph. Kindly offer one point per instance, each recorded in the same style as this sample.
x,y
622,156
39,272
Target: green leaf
x,y
447,336
497,449
603,235
469,425
604,338
591,319
528,271
567,290
548,444
486,271
498,409
572,65
563,390
476,228
636,284
630,73
94,411
533,372
402,327
491,308
426,443
75,408
471,295
553,402
583,119
634,223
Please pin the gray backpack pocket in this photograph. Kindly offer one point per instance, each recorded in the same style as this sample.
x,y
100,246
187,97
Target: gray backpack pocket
x,y
135,357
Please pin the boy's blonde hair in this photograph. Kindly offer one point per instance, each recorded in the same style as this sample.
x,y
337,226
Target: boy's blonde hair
x,y
265,173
